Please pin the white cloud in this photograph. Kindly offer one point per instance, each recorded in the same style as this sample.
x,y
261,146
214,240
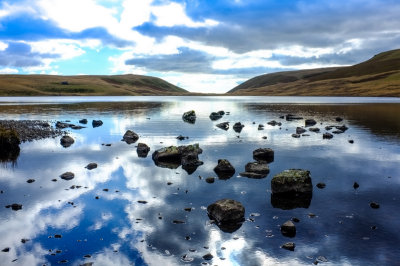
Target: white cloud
x,y
67,49
173,14
136,12
3,46
8,71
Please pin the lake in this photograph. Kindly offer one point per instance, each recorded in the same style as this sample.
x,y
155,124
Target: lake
x,y
125,211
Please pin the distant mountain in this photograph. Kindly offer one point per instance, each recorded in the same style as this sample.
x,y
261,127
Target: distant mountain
x,y
51,85
379,76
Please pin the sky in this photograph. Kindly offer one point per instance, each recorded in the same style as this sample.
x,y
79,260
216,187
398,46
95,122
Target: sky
x,y
207,46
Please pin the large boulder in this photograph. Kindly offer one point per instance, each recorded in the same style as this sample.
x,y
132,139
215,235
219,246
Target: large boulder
x,y
292,181
142,150
172,157
224,169
130,137
256,170
228,213
263,155
66,141
189,117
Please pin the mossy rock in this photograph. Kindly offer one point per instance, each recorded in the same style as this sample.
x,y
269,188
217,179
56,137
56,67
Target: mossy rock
x,y
292,181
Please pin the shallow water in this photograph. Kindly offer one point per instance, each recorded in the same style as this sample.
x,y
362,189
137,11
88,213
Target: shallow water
x,y
117,230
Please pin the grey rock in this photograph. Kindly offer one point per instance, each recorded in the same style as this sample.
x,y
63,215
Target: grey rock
x,y
310,122
296,136
289,246
314,129
292,181
263,155
291,117
288,229
327,135
226,211
215,116
130,137
300,130
66,141
83,121
224,125
237,127
67,176
142,150
189,117
224,169
97,123
257,167
91,166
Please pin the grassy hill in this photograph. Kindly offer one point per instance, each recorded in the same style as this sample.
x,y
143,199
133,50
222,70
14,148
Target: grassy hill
x,y
379,76
50,85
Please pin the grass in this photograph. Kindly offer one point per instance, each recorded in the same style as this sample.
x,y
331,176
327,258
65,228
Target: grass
x,y
49,85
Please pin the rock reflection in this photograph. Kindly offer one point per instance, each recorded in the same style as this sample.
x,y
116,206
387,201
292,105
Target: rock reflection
x,y
291,201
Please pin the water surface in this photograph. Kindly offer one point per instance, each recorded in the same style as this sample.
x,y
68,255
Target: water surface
x,y
115,229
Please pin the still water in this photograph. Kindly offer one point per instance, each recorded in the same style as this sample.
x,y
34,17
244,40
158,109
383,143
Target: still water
x,y
96,217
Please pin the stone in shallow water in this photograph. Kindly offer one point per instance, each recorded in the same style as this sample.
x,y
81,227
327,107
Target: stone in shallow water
x,y
142,150
130,137
288,229
67,176
226,210
263,155
66,141
289,246
224,169
292,181
91,166
189,117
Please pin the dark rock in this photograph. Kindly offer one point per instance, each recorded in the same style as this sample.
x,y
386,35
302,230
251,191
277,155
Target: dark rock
x,y
339,119
300,130
5,250
208,256
130,137
374,205
189,117
210,180
180,137
342,128
228,213
97,123
142,201
172,157
310,122
291,117
57,236
77,127
351,141
274,123
260,127
91,166
321,185
337,132
30,181
328,128
62,125
67,176
66,141
296,136
263,155
224,169
237,127
87,264
224,125
289,246
83,121
295,219
178,222
314,129
327,135
292,181
215,116
15,206
356,185
142,150
288,229
256,170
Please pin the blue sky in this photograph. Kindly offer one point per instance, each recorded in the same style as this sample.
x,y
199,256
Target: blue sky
x,y
199,45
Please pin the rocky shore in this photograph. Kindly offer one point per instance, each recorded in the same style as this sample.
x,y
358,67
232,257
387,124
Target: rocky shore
x,y
29,130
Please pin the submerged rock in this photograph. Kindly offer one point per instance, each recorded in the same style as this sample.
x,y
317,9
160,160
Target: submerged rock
x,y
290,117
130,137
15,206
91,166
224,169
256,170
210,180
189,117
228,213
66,141
67,176
142,150
288,229
374,205
274,123
263,155
314,129
296,136
224,125
292,181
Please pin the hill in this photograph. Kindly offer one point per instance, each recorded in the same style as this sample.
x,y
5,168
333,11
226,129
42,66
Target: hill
x,y
51,85
378,76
